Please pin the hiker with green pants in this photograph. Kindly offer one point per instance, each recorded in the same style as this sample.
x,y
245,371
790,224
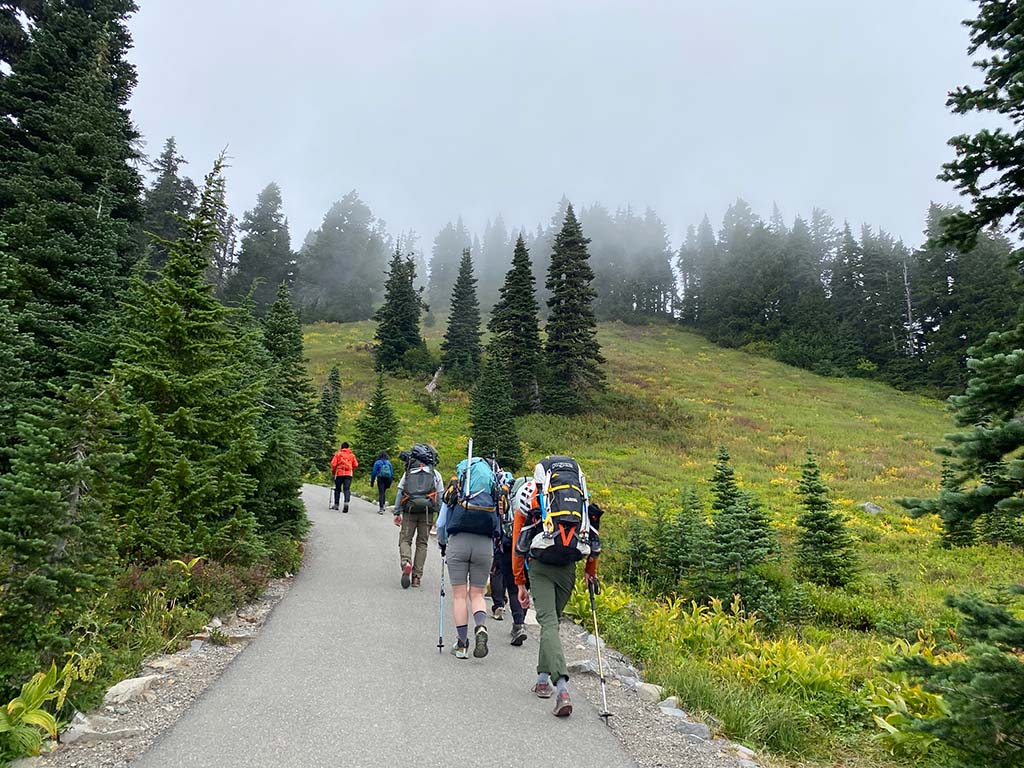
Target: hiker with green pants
x,y
553,530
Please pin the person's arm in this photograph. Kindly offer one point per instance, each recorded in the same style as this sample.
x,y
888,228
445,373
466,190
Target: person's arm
x,y
373,472
438,484
334,465
442,528
398,498
518,561
355,463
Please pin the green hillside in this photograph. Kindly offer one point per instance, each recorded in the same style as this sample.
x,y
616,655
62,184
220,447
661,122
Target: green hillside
x,y
673,398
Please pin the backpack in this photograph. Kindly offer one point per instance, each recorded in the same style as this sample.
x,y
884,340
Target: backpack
x,y
419,492
481,480
559,531
387,472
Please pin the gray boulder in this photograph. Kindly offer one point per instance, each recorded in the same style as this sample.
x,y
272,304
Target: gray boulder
x,y
130,689
696,730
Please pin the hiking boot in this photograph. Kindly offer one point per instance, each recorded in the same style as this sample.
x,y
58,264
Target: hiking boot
x,y
480,640
416,582
461,651
333,506
344,509
496,612
380,511
543,690
406,575
518,634
563,705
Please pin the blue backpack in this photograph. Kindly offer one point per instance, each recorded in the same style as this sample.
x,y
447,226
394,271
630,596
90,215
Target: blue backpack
x,y
481,480
386,472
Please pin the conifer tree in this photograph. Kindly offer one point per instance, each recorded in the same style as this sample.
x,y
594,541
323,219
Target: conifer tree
x,y
688,533
293,430
741,537
327,413
572,353
491,412
514,325
983,690
265,260
191,406
825,551
69,189
460,350
165,204
377,426
400,345
986,484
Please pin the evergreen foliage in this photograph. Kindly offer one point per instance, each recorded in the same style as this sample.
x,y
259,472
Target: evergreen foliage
x,y
741,537
293,427
169,201
985,484
449,245
460,350
984,691
825,551
69,190
340,267
514,326
377,426
55,542
327,414
491,411
400,345
989,165
191,405
265,259
571,352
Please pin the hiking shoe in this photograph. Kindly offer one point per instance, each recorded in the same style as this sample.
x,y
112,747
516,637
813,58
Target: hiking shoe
x,y
518,634
416,582
543,690
563,705
406,575
496,612
461,651
344,509
480,640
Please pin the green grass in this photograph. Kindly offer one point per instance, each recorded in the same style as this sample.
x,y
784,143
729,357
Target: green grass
x,y
673,398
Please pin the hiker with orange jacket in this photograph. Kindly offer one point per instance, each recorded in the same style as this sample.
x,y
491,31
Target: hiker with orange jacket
x,y
343,464
555,526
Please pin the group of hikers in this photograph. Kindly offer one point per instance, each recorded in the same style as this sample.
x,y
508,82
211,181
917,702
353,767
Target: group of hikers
x,y
525,535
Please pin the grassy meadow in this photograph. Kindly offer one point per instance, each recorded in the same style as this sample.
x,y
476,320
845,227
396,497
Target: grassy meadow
x,y
673,398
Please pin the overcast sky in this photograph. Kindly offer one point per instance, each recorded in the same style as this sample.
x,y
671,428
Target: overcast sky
x,y
436,108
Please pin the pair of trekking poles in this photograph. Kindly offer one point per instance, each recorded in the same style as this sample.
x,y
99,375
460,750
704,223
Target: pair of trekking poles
x,y
604,714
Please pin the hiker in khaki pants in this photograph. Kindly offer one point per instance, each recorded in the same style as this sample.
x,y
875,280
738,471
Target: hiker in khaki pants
x,y
415,511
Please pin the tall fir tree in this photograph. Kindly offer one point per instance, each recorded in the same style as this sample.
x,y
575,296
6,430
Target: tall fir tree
x,y
825,550
327,413
165,204
340,265
460,350
265,259
400,345
192,406
514,326
986,486
69,190
377,426
296,412
449,244
491,411
571,352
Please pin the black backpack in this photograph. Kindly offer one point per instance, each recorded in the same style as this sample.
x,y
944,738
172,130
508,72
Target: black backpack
x,y
560,531
419,491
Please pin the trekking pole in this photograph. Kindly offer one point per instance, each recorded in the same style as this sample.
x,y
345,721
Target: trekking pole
x,y
604,714
440,609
